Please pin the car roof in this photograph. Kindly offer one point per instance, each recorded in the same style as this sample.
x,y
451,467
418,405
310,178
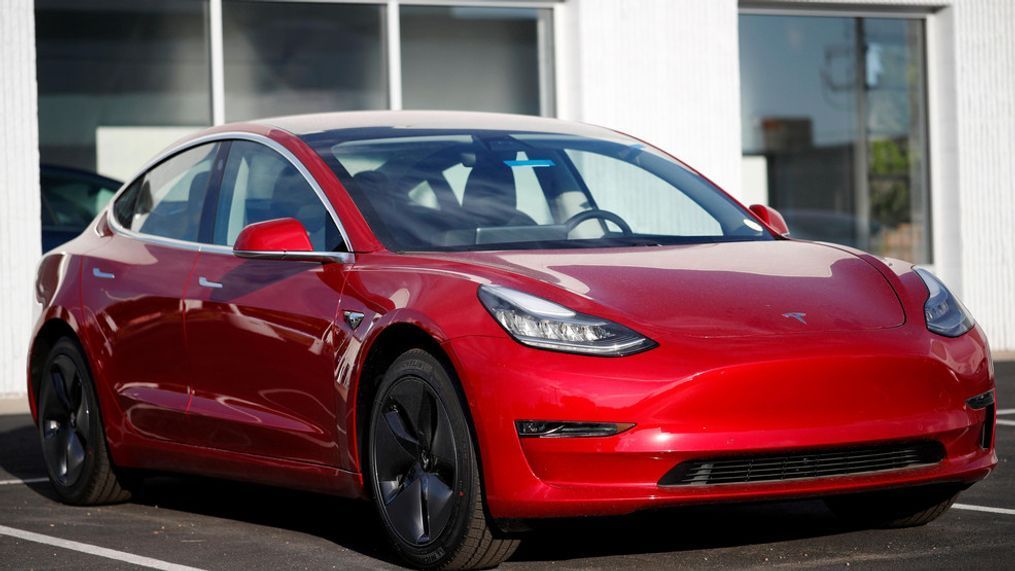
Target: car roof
x,y
302,125
77,173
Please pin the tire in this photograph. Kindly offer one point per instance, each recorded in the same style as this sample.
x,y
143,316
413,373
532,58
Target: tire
x,y
910,507
424,473
71,433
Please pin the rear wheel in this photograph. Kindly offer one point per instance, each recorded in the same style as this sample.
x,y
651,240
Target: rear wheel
x,y
910,507
70,429
424,472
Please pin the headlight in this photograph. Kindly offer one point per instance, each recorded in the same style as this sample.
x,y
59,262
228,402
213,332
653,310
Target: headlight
x,y
537,322
945,314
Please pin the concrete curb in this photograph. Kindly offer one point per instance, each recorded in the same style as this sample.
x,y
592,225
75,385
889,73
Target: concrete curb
x,y
1003,355
14,405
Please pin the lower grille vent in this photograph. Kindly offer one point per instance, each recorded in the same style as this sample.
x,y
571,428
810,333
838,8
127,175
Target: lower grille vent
x,y
818,463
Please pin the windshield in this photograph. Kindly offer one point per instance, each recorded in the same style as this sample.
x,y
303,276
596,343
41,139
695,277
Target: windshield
x,y
485,190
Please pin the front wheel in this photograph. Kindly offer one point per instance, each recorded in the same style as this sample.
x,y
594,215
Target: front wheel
x,y
70,429
910,507
424,472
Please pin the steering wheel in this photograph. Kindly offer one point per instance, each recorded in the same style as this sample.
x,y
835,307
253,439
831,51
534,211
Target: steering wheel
x,y
596,213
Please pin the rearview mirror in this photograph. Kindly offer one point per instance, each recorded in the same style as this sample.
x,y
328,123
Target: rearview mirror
x,y
281,239
771,218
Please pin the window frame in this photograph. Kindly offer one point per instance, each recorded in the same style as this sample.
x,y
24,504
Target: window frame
x,y
214,185
549,26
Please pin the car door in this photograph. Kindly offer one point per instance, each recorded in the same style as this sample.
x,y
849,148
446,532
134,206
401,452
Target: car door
x,y
262,334
133,286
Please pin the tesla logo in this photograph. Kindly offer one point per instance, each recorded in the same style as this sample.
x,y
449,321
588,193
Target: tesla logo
x,y
798,315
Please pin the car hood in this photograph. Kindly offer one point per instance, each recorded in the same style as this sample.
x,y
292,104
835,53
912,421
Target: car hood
x,y
726,289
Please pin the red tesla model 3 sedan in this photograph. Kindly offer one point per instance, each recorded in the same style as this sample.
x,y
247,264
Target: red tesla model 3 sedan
x,y
474,320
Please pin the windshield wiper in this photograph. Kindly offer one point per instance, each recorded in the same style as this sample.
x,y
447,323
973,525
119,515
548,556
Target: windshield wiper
x,y
634,241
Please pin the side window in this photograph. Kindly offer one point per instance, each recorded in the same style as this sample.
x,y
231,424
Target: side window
x,y
423,195
168,200
457,175
259,184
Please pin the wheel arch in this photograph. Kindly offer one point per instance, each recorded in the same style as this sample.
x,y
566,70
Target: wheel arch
x,y
51,331
386,346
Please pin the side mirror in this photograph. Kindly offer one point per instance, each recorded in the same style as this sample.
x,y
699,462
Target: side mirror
x,y
771,218
281,239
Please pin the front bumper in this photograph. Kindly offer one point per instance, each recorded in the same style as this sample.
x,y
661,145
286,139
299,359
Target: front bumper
x,y
714,398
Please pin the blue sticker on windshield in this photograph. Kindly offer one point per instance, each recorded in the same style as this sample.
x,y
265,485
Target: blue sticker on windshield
x,y
530,163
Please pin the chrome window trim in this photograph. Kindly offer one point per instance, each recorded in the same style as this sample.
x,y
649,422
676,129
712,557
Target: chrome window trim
x,y
323,257
219,138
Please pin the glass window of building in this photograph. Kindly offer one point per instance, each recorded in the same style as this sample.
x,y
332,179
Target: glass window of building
x,y
284,58
119,79
476,58
835,128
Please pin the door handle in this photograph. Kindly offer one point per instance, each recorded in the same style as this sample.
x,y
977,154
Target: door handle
x,y
101,274
205,282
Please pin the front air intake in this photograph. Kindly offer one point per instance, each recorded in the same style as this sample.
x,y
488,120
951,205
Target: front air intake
x,y
807,464
987,432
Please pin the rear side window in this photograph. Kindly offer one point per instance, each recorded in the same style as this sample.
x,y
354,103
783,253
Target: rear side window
x,y
169,199
258,185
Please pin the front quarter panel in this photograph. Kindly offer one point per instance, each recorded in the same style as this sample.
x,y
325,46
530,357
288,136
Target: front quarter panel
x,y
437,297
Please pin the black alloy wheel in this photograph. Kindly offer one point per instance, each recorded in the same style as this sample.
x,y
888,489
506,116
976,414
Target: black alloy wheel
x,y
70,429
65,420
415,462
423,470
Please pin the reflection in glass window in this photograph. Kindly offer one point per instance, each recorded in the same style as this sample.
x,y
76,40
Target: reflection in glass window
x,y
284,58
474,58
834,109
170,199
258,184
642,198
474,190
119,63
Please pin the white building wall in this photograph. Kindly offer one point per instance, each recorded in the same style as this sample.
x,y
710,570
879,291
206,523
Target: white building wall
x,y
19,188
985,98
666,71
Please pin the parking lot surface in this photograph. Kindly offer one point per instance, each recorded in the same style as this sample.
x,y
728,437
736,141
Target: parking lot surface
x,y
210,524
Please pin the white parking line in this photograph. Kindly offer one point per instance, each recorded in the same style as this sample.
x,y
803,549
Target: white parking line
x,y
94,550
25,481
1006,411
987,509
1003,422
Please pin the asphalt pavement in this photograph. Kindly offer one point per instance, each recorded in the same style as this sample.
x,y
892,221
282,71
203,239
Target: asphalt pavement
x,y
181,522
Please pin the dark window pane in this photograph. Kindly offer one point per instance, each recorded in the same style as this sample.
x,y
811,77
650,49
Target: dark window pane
x,y
118,63
478,59
72,202
259,185
284,58
833,108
